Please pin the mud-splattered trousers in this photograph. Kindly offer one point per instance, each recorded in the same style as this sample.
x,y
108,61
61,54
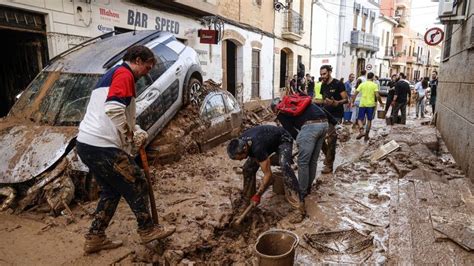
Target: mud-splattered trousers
x,y
310,140
329,146
251,167
117,175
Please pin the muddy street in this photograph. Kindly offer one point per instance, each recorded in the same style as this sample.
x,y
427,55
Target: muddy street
x,y
413,206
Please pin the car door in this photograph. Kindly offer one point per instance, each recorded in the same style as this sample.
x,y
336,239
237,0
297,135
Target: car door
x,y
234,114
214,111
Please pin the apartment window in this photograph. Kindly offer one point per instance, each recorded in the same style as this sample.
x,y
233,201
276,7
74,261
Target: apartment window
x,y
371,25
383,36
364,21
356,17
255,73
447,42
387,40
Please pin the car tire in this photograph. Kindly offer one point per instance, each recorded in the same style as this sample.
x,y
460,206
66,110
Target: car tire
x,y
193,92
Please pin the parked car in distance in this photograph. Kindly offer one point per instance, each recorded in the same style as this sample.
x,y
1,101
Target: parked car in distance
x,y
384,86
39,133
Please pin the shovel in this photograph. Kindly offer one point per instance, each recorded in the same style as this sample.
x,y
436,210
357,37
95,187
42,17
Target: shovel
x,y
244,214
146,169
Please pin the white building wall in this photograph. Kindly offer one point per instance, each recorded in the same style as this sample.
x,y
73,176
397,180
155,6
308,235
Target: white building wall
x,y
382,67
347,60
325,38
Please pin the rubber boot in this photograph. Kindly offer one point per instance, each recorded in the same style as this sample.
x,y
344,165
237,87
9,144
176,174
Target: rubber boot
x,y
299,214
155,233
95,243
327,169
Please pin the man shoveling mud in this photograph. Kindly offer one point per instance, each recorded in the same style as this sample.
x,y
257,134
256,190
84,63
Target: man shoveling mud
x,y
106,137
257,144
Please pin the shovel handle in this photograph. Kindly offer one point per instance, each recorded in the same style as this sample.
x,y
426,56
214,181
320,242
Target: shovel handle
x,y
146,169
244,214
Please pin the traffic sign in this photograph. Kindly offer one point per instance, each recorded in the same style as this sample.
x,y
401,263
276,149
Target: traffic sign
x,y
434,36
368,67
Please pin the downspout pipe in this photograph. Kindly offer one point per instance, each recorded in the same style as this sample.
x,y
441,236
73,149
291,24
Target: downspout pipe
x,y
340,48
311,37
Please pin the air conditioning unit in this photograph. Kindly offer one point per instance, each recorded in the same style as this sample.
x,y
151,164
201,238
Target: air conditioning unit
x,y
452,11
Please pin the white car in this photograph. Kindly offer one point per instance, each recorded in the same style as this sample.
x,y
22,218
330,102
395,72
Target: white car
x,y
38,135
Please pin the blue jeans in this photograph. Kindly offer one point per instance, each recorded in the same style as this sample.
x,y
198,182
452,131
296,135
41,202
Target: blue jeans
x,y
310,140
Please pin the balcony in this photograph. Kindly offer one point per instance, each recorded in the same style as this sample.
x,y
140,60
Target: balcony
x,y
292,26
389,52
363,40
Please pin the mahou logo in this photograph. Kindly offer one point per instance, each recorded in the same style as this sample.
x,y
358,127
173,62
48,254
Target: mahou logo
x,y
108,13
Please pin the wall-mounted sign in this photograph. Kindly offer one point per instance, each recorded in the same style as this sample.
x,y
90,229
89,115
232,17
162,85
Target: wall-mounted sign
x,y
109,14
368,67
208,36
325,61
434,36
140,19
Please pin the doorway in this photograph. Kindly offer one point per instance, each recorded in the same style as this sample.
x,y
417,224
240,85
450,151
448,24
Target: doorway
x,y
23,55
360,65
231,66
283,68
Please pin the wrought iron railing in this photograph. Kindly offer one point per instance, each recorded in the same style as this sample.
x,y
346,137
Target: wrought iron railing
x,y
293,22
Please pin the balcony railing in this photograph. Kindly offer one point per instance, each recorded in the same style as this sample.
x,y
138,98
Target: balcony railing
x,y
363,40
293,25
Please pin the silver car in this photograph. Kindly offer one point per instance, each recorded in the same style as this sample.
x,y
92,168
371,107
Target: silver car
x,y
37,137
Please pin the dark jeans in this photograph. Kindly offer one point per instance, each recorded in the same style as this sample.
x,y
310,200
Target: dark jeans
x,y
117,175
388,103
329,146
251,167
402,107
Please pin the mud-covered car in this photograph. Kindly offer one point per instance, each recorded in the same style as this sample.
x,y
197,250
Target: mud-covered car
x,y
37,138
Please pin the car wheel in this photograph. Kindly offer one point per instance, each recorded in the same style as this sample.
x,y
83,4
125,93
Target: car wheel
x,y
193,92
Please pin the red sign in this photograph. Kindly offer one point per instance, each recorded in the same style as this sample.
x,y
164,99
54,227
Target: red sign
x,y
208,36
434,36
108,13
368,67
325,61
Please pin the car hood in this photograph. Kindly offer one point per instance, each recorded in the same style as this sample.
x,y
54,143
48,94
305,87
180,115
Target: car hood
x,y
27,151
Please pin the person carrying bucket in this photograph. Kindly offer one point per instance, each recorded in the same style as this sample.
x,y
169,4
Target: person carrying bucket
x,y
370,92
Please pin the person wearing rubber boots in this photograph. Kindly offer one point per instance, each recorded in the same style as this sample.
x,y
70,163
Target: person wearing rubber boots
x,y
107,135
257,144
334,97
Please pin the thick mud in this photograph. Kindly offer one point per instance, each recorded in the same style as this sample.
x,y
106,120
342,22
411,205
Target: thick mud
x,y
368,212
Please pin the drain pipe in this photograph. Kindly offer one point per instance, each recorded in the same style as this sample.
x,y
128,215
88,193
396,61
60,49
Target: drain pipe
x,y
273,74
340,46
311,36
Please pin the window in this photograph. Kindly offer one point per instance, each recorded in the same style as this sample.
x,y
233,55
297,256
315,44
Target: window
x,y
356,17
165,58
447,42
214,107
371,25
231,103
255,73
364,22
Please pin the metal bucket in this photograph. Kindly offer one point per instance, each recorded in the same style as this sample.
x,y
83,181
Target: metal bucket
x,y
381,114
276,247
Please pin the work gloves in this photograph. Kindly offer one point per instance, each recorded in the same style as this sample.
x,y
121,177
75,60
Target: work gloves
x,y
139,137
255,199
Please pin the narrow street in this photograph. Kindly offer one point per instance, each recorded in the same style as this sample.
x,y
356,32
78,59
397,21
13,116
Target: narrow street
x,y
413,207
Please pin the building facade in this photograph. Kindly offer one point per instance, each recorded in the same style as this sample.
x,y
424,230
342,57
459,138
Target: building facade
x,y
384,57
455,111
243,61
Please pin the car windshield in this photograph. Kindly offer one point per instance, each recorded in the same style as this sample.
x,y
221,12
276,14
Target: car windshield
x,y
56,98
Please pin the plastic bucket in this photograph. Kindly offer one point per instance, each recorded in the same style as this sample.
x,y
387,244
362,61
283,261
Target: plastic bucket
x,y
276,247
347,115
278,184
381,114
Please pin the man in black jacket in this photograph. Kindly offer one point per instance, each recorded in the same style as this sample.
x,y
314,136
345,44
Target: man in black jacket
x,y
257,144
334,97
401,99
